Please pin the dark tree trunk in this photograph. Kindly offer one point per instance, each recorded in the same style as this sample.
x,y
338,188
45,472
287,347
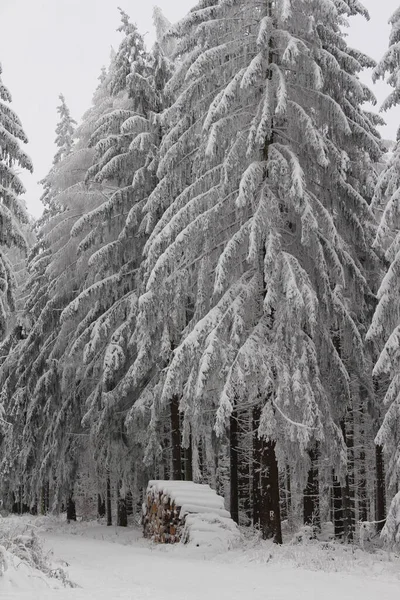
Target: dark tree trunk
x,y
189,461
288,493
122,515
311,493
129,503
101,507
234,479
176,440
15,504
108,502
343,497
380,488
270,513
71,510
42,501
45,498
201,455
338,518
362,481
244,469
257,451
349,520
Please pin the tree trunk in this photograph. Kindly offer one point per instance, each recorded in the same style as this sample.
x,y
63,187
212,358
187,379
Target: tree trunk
x,y
311,493
108,501
71,510
349,520
188,462
362,474
122,515
234,480
244,467
270,513
176,440
44,500
257,451
338,518
380,488
101,507
288,494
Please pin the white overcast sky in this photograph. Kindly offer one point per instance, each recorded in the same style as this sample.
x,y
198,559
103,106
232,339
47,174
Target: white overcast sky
x,y
53,46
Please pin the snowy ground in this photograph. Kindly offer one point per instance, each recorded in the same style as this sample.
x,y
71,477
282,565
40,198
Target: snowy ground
x,y
117,564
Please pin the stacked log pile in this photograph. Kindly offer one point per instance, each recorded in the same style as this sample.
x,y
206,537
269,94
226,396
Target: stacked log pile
x,y
161,520
168,503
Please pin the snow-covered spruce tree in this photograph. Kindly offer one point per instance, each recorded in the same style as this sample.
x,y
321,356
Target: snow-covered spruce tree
x,y
103,315
157,332
384,332
162,27
270,204
12,208
32,374
64,141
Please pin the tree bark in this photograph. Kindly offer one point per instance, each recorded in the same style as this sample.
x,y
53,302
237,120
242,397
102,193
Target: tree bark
x,y
101,507
188,462
380,513
71,509
257,451
234,479
44,500
176,440
244,467
311,492
362,475
122,515
349,520
270,513
338,518
108,501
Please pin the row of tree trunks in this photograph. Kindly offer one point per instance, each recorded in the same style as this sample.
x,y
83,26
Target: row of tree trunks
x,y
262,476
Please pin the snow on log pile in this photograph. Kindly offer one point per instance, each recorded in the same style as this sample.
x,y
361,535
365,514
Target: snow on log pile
x,y
189,512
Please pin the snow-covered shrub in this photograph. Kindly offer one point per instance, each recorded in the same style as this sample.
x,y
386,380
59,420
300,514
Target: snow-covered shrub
x,y
3,560
20,541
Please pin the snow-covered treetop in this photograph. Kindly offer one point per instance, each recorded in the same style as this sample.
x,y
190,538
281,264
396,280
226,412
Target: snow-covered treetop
x,y
12,208
11,134
389,66
130,50
162,26
65,131
64,141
